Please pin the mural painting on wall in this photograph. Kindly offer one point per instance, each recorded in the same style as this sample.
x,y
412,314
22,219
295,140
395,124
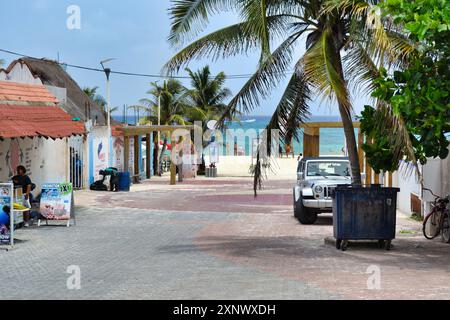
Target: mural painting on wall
x,y
14,157
131,158
118,153
17,152
100,157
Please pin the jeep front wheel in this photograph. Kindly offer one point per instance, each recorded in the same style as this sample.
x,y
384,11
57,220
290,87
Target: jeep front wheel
x,y
304,215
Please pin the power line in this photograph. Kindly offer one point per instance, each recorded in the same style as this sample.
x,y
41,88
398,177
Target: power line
x,y
132,74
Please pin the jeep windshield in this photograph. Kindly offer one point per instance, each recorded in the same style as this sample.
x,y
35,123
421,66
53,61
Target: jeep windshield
x,y
328,169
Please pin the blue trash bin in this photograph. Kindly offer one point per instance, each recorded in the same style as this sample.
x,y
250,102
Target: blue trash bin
x,y
124,181
364,213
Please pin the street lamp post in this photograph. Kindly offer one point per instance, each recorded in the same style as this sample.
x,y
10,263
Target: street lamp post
x,y
108,107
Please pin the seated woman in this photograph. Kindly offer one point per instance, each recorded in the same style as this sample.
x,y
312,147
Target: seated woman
x,y
21,180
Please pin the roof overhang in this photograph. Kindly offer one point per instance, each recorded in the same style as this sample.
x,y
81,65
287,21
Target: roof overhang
x,y
25,121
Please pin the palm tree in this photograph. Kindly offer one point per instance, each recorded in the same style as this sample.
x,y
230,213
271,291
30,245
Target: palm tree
x,y
97,98
172,95
345,43
172,98
206,99
207,96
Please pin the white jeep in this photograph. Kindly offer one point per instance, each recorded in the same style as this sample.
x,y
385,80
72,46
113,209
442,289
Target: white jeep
x,y
317,178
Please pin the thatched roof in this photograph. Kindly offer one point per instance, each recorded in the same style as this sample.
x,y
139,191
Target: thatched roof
x,y
78,104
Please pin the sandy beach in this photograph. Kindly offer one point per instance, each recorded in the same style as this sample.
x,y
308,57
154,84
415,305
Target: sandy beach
x,y
239,166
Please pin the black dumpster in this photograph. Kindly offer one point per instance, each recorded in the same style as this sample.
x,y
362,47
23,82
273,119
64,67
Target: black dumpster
x,y
364,213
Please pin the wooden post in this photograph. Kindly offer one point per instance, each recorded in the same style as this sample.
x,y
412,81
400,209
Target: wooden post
x,y
126,154
360,149
173,174
148,145
136,159
368,173
311,142
377,179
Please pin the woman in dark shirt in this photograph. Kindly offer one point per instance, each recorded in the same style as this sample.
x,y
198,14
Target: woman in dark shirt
x,y
21,180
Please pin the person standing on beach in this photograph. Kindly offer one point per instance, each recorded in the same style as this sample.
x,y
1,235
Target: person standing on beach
x,y
235,148
280,151
300,157
288,150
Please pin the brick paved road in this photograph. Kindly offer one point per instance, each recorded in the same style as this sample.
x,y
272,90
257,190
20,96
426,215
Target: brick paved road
x,y
162,242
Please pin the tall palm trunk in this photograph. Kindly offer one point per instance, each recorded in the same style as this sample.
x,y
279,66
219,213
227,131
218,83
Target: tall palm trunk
x,y
347,121
349,130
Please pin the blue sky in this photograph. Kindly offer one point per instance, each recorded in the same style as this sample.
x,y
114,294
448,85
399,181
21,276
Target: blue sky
x,y
134,32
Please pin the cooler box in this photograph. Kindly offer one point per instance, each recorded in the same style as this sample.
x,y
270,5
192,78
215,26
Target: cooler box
x,y
124,181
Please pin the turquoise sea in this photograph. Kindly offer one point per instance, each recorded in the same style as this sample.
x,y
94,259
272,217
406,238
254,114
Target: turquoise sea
x,y
331,140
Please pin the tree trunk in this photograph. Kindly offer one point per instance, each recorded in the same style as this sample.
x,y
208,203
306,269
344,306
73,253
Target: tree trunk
x,y
347,122
349,130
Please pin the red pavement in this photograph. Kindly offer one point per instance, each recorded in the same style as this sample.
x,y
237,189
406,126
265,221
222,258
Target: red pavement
x,y
264,235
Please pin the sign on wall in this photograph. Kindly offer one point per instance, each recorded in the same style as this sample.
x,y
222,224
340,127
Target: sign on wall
x,y
57,201
6,199
100,156
118,148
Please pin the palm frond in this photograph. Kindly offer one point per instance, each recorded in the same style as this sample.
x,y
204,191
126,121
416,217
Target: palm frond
x,y
292,110
322,69
389,121
267,77
360,69
189,17
223,43
255,12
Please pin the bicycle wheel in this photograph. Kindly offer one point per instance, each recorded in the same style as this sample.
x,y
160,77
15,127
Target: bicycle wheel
x,y
446,230
431,227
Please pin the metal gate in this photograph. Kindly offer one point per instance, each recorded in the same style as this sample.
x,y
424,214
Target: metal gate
x,y
76,160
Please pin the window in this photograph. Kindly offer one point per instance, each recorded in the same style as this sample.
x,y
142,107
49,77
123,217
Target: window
x,y
328,169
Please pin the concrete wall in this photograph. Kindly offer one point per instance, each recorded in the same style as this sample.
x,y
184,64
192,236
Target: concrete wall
x,y
406,179
445,172
46,160
436,176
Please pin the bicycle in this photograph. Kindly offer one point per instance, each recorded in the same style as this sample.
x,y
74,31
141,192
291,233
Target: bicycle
x,y
437,221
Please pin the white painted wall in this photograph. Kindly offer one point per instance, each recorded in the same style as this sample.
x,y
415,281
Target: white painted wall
x,y
46,160
436,176
406,179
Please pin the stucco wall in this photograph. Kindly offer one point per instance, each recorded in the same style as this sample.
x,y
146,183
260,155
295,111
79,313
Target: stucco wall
x,y
446,176
46,160
406,179
436,176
